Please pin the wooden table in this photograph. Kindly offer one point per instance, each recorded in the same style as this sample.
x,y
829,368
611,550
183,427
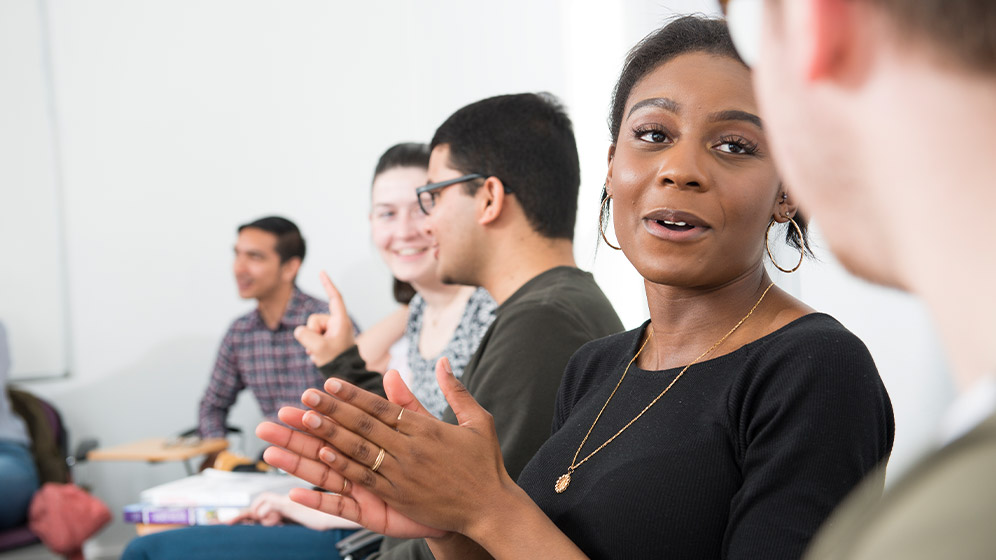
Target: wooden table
x,y
156,450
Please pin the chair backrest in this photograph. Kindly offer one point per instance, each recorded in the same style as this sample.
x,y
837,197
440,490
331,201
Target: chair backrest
x,y
49,440
49,447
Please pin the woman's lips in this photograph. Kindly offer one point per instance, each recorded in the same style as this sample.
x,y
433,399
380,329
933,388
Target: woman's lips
x,y
675,225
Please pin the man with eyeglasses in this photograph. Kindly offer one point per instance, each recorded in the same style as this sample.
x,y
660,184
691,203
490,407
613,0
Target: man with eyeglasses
x,y
501,208
880,114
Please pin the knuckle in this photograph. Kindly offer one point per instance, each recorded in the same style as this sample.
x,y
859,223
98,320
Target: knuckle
x,y
329,406
361,452
338,507
348,393
331,430
367,479
364,425
380,408
325,484
416,455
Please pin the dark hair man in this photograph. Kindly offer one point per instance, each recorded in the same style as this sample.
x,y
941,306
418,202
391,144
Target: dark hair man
x,y
501,207
881,115
259,351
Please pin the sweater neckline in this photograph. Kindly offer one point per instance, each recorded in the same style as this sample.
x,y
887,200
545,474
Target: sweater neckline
x,y
738,353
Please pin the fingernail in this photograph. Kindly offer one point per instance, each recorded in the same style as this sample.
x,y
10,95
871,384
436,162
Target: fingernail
x,y
326,455
312,420
310,398
333,386
449,369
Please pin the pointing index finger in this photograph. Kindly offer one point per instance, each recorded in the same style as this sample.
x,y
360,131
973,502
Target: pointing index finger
x,y
336,306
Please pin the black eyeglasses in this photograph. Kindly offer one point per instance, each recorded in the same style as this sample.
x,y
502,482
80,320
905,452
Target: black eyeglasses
x,y
427,193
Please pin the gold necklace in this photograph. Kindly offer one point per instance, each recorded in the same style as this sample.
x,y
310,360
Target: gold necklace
x,y
565,480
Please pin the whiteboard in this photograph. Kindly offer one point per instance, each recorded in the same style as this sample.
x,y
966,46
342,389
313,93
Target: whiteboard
x,y
33,289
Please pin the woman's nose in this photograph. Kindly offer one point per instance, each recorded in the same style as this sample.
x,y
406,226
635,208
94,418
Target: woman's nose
x,y
682,167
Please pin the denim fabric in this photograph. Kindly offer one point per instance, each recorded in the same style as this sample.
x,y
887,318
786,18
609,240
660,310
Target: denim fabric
x,y
245,542
19,481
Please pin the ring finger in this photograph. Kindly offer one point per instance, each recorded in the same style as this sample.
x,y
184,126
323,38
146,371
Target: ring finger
x,y
373,457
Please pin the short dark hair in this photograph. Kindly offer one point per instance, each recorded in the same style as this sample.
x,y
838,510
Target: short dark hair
x,y
965,30
406,154
686,34
290,243
527,141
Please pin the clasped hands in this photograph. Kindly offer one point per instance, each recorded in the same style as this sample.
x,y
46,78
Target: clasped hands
x,y
434,477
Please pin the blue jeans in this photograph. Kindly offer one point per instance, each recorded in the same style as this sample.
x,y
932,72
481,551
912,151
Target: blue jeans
x,y
245,542
19,481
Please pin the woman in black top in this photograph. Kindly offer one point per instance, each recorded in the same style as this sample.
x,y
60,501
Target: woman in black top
x,y
727,426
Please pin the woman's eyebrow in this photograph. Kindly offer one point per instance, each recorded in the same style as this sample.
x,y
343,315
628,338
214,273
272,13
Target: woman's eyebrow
x,y
720,116
665,103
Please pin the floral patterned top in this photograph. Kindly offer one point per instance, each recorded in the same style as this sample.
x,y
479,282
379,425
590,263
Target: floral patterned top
x,y
477,317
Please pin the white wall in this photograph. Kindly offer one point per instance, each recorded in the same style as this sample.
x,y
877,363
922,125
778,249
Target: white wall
x,y
180,120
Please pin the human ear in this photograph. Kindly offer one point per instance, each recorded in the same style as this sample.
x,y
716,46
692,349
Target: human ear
x,y
608,171
491,200
785,206
826,33
289,269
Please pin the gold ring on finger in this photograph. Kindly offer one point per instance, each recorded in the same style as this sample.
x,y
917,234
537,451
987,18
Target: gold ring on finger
x,y
345,485
379,460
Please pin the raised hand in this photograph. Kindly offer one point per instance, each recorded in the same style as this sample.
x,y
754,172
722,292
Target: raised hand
x,y
326,336
435,473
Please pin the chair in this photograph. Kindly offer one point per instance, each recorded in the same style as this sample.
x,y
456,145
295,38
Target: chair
x,y
49,446
193,433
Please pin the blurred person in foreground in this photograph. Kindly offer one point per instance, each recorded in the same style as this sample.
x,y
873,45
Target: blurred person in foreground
x,y
881,115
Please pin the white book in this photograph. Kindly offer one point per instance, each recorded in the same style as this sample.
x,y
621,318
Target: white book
x,y
219,488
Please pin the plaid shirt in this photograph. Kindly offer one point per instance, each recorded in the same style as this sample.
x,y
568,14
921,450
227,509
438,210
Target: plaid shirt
x,y
270,362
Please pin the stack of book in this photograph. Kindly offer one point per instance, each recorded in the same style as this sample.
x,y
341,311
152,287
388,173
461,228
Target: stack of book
x,y
203,499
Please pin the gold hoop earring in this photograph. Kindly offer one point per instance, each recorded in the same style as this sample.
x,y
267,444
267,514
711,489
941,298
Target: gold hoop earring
x,y
802,250
601,225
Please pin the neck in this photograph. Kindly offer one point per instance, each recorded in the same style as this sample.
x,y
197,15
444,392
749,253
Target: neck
x,y
438,295
272,306
520,259
688,321
953,175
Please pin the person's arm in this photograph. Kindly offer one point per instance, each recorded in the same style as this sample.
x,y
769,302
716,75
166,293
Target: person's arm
x,y
375,343
222,390
813,422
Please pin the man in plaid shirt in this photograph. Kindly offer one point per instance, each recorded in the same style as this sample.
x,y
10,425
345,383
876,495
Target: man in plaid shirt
x,y
259,350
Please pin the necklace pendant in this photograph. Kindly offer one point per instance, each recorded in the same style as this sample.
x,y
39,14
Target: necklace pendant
x,y
562,483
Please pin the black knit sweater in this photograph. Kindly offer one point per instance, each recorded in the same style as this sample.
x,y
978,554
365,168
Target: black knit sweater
x,y
744,457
